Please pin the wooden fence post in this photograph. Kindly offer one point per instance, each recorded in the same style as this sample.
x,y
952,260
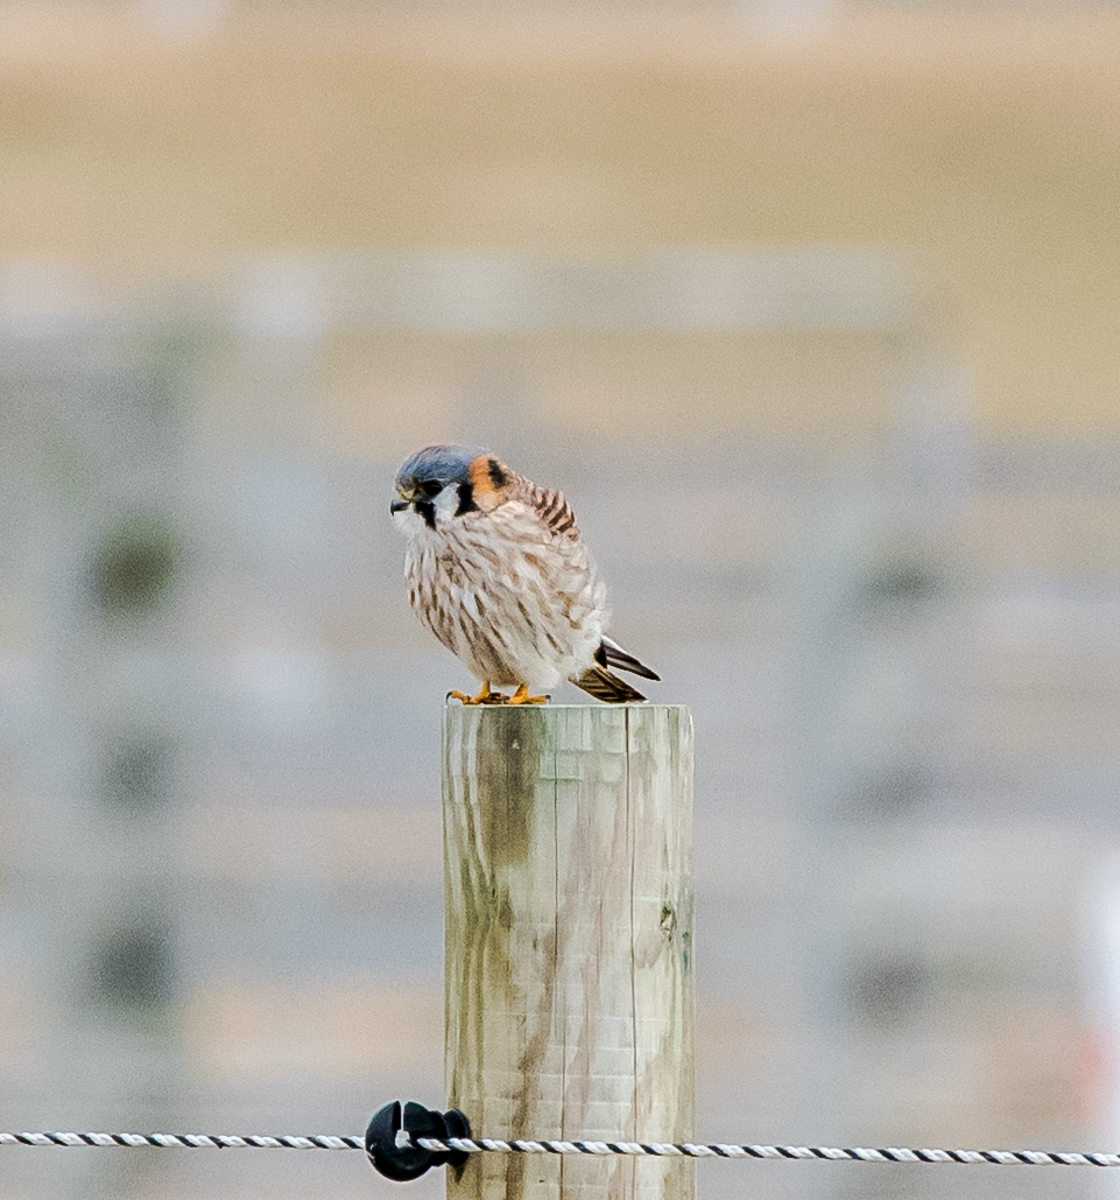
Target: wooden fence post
x,y
568,894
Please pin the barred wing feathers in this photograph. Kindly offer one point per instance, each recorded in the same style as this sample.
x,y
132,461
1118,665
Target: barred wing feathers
x,y
599,680
552,509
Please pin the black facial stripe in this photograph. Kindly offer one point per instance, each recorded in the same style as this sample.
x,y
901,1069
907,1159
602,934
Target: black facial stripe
x,y
428,511
466,499
498,477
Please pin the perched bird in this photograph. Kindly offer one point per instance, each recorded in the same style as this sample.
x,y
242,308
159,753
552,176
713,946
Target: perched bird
x,y
497,570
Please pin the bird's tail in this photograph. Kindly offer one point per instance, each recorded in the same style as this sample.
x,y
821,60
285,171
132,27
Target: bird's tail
x,y
606,686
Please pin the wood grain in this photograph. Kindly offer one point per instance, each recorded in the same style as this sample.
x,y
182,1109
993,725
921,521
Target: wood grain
x,y
569,999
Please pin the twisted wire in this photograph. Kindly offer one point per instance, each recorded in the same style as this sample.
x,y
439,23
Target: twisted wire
x,y
895,1154
189,1141
890,1154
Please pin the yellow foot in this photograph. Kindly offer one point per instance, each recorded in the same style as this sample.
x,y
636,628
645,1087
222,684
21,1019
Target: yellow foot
x,y
521,696
485,696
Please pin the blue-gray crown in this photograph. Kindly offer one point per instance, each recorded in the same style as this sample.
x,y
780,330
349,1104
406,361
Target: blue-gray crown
x,y
442,464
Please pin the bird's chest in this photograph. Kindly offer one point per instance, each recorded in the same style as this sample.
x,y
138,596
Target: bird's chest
x,y
512,604
449,570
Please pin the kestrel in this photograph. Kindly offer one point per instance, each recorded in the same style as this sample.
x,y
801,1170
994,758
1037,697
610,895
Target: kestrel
x,y
497,570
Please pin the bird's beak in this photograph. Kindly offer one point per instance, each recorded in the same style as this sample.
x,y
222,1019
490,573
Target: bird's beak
x,y
397,506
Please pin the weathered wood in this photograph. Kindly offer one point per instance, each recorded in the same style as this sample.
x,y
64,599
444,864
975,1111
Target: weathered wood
x,y
569,999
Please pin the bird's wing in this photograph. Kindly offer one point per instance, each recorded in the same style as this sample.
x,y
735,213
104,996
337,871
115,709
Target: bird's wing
x,y
611,654
551,508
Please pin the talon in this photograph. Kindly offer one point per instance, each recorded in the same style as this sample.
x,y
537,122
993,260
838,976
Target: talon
x,y
485,696
521,696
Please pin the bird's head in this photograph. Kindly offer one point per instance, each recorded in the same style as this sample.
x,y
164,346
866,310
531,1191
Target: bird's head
x,y
440,484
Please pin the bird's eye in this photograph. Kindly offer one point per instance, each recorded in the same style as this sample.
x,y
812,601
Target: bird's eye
x,y
432,488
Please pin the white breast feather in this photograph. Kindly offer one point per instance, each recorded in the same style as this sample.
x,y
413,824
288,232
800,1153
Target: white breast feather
x,y
515,603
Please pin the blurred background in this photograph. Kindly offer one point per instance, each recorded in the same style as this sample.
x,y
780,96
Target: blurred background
x,y
812,307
